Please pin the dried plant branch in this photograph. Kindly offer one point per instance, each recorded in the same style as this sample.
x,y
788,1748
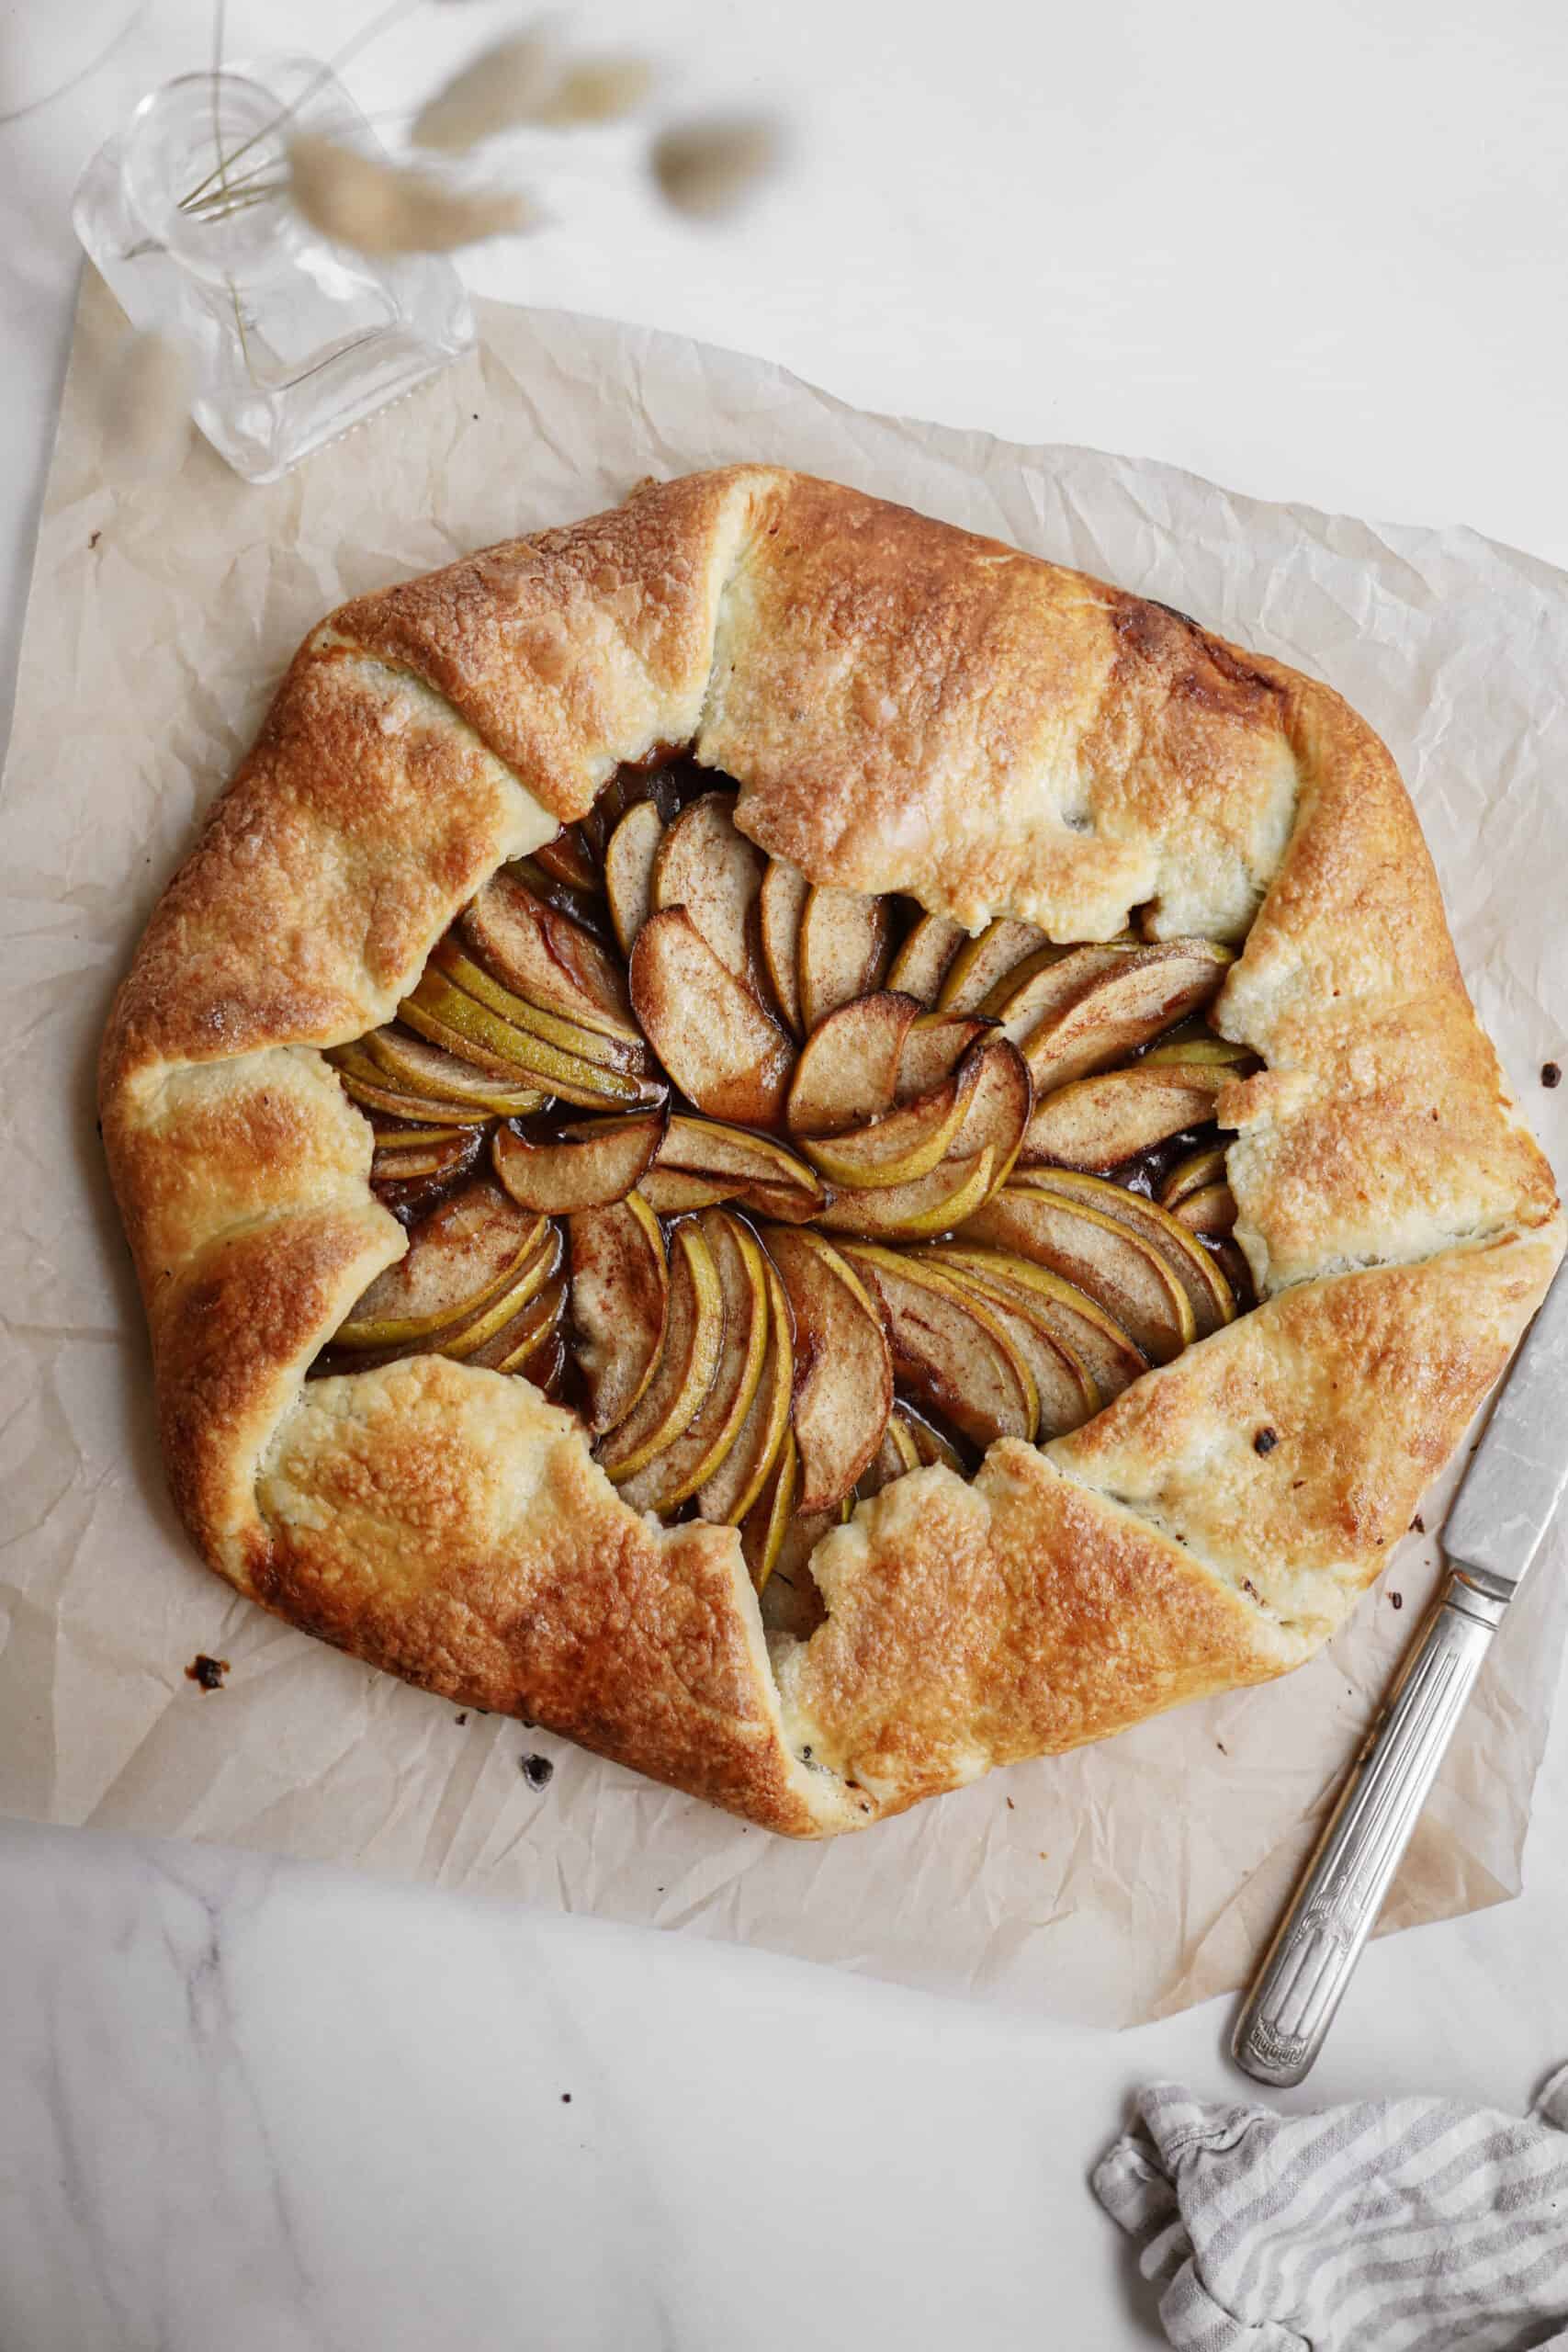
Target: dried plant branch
x,y
378,208
705,169
529,79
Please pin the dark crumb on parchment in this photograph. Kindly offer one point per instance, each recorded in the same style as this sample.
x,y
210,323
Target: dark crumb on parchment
x,y
1418,1525
1012,1807
207,1672
462,1718
1396,1600
1223,1748
93,541
1551,1074
537,1770
566,2095
1265,1441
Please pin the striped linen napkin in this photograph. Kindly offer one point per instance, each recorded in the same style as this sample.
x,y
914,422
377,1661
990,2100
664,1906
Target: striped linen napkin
x,y
1394,2224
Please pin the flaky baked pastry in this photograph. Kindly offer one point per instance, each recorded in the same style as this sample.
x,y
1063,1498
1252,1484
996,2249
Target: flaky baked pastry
x,y
903,710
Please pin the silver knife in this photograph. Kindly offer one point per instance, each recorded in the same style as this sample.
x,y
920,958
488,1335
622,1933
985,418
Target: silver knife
x,y
1504,1505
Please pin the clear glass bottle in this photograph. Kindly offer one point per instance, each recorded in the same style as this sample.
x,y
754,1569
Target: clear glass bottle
x,y
292,340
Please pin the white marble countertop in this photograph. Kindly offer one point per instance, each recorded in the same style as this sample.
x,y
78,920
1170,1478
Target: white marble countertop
x,y
289,2110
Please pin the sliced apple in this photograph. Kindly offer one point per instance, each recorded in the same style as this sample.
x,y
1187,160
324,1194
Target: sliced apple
x,y
1097,1123
844,1390
843,950
981,962
544,958
931,1444
709,868
693,1333
1087,1329
1208,1292
447,1016
457,1260
923,962
919,1211
586,1171
780,904
675,1192
727,1493
630,855
1201,1168
620,1293
1047,982
849,1067
950,1346
1100,1255
626,1052
1068,1394
904,1144
1210,1210
529,1333
723,1051
933,1047
767,1522
568,859
693,1455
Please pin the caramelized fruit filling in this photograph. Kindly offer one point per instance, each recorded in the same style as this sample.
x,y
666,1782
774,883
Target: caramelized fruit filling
x,y
783,1189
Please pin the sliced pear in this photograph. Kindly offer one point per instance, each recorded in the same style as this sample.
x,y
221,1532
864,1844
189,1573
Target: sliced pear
x,y
791,1602
723,1051
843,950
587,1171
923,963
1210,1210
707,866
1068,1396
630,855
711,1147
998,1116
1129,1277
1046,983
539,1271
428,1070
1086,1328
919,1211
981,962
894,1456
931,1444
449,1017
781,1204
734,1483
693,1456
1207,1289
626,1052
1097,1123
849,1066
529,1332
693,1333
1195,1041
405,1164
457,1260
904,1144
780,903
675,1192
620,1290
450,1116
1201,1168
568,859
420,1138
845,1372
933,1047
1122,1011
950,1346
763,1529
544,958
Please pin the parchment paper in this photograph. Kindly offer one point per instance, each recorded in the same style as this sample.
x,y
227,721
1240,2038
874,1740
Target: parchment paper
x,y
1116,1884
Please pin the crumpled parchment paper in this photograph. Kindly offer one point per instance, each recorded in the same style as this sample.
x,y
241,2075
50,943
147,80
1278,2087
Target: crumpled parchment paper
x,y
1115,1885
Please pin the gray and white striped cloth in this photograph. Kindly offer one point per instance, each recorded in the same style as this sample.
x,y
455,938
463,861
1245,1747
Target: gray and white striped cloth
x,y
1414,2222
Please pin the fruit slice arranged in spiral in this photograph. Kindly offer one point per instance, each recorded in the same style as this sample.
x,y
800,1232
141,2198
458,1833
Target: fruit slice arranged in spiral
x,y
789,1192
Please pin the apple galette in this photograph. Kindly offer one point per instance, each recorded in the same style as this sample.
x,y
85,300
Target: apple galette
x,y
812,1151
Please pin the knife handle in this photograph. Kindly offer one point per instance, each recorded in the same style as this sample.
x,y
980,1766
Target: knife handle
x,y
1317,1943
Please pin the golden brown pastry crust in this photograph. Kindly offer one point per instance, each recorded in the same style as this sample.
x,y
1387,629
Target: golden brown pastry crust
x,y
905,706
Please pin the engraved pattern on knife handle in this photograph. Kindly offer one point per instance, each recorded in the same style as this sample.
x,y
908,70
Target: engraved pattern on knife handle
x,y
1318,1942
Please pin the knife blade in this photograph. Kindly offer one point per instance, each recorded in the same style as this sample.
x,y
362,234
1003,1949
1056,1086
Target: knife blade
x,y
1513,1486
